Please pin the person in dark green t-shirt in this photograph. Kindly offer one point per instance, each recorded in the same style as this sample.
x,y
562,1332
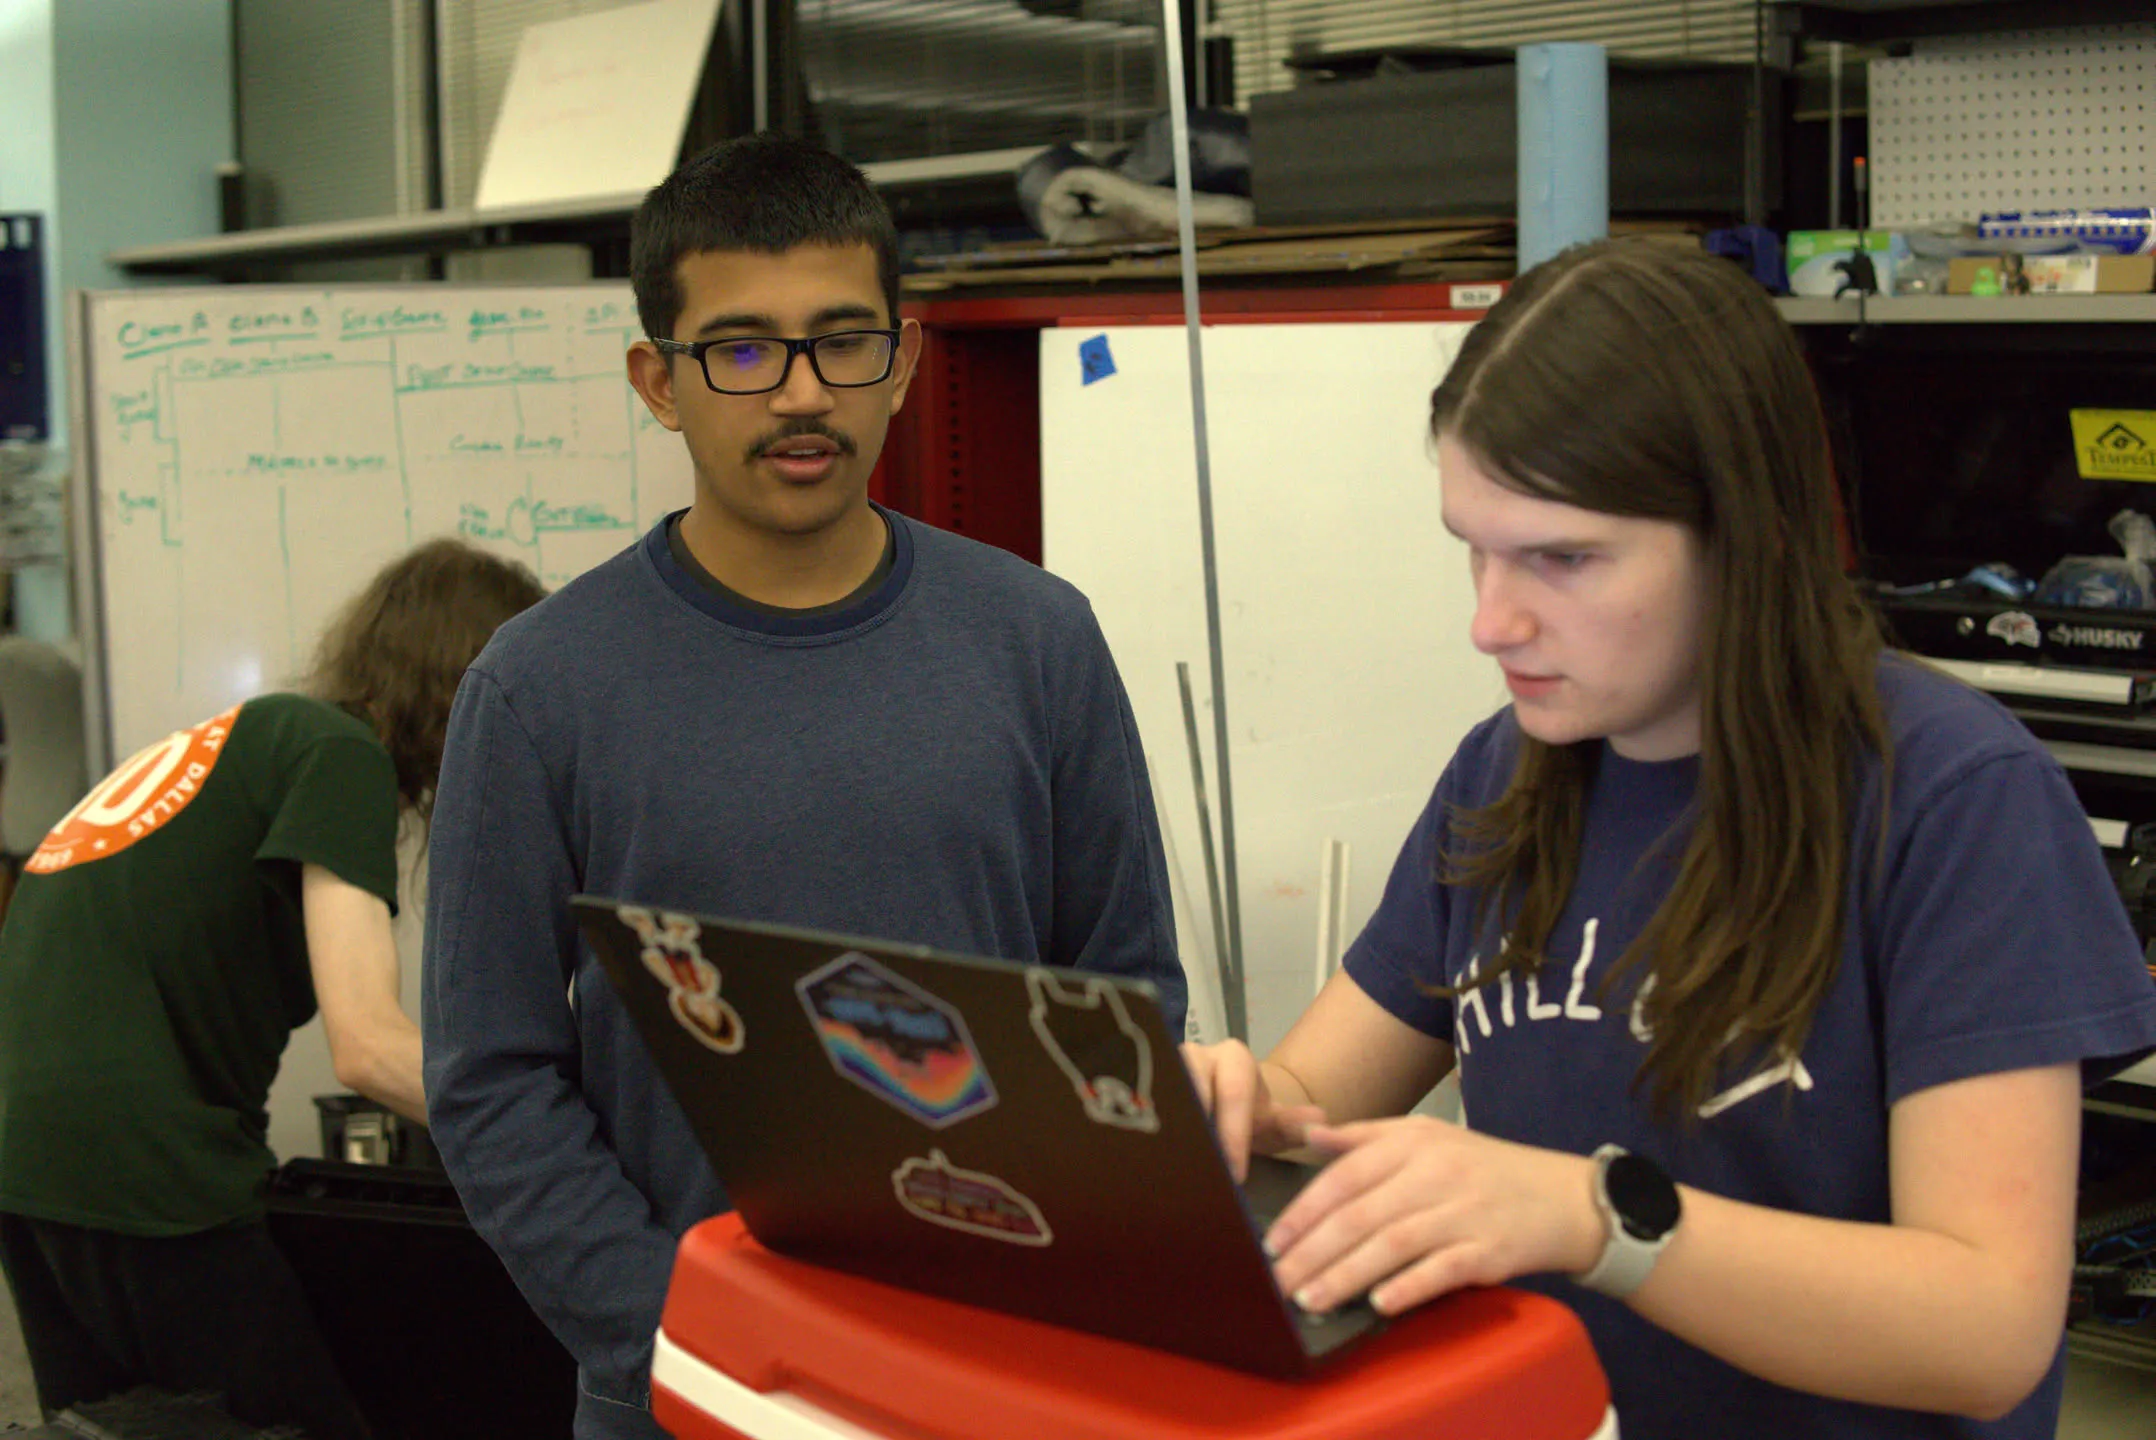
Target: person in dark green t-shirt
x,y
167,936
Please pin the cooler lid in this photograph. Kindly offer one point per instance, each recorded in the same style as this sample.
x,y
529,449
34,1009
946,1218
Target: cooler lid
x,y
1494,1361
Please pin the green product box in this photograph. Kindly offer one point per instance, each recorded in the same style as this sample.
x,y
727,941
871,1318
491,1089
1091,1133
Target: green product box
x,y
1823,262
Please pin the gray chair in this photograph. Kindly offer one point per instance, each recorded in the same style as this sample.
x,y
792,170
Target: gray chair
x,y
41,708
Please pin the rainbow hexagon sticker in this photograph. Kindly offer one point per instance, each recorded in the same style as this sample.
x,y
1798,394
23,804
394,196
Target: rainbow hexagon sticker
x,y
896,1041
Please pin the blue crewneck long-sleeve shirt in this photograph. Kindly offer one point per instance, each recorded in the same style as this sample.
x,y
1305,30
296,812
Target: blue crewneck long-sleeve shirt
x,y
949,761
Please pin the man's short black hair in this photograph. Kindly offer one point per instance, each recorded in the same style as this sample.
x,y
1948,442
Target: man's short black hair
x,y
766,193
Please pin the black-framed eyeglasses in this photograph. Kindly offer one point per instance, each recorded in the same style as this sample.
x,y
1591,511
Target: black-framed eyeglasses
x,y
754,364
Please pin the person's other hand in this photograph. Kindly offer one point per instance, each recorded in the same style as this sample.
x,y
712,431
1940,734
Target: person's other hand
x,y
1232,1087
1412,1208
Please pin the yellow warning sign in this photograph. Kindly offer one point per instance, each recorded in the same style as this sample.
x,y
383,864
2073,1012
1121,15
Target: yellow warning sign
x,y
2115,444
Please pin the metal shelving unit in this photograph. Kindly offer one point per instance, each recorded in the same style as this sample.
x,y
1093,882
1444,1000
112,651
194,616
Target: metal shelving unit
x,y
1821,310
1884,22
2009,309
1970,310
2113,1344
2028,323
596,220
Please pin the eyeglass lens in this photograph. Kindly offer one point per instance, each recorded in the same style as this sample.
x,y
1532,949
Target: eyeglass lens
x,y
845,357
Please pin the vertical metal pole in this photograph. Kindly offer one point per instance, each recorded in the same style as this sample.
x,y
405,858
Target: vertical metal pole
x,y
1205,836
86,544
1233,1000
1834,135
760,63
1755,124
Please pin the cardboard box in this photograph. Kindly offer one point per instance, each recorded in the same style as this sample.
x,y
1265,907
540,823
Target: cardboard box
x,y
2052,275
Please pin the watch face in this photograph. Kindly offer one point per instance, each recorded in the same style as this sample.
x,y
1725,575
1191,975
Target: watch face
x,y
1644,1198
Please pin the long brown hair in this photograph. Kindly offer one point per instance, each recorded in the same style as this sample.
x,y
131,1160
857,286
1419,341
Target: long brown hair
x,y
1636,378
393,656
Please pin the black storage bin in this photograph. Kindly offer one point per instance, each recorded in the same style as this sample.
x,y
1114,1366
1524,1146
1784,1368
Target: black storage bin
x,y
1444,142
430,1332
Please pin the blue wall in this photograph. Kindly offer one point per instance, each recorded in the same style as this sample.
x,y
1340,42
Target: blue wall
x,y
27,181
114,116
142,105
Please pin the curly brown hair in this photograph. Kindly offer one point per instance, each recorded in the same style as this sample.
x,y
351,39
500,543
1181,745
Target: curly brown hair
x,y
395,653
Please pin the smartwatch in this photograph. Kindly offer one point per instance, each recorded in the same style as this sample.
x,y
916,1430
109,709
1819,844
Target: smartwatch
x,y
1640,1209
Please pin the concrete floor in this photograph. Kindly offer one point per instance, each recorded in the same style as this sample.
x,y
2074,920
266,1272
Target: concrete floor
x,y
2106,1401
2103,1401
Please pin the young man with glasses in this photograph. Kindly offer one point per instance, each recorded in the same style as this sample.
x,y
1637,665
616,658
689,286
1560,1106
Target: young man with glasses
x,y
785,704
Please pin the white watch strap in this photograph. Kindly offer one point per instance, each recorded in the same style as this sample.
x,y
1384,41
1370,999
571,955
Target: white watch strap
x,y
1626,1259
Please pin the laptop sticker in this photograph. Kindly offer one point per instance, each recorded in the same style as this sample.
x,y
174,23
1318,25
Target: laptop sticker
x,y
942,1194
1095,1043
896,1041
671,952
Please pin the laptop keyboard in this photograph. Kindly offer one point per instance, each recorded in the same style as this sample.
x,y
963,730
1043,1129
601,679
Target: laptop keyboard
x,y
1272,1184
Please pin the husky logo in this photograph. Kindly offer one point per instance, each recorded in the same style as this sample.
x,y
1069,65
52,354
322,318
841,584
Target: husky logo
x,y
2015,628
2096,637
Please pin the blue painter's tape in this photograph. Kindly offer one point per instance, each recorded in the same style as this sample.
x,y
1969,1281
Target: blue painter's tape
x,y
1094,361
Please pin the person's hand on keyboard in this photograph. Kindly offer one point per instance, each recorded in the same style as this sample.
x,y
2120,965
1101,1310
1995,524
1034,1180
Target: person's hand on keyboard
x,y
1412,1208
1235,1091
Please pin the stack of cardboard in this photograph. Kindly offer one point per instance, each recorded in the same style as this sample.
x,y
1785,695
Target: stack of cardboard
x,y
1434,250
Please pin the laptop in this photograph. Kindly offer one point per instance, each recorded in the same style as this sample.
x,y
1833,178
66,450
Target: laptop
x,y
1018,1137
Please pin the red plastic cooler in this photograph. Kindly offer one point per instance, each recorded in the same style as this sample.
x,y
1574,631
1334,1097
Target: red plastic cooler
x,y
754,1346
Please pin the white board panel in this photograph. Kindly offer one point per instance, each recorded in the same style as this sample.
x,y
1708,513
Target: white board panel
x,y
596,104
2057,119
1345,605
255,453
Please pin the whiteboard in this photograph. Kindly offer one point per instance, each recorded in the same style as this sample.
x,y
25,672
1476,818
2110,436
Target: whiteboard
x,y
1344,603
255,453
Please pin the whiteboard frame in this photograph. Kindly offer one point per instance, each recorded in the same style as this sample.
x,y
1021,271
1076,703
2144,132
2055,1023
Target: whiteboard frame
x,y
86,544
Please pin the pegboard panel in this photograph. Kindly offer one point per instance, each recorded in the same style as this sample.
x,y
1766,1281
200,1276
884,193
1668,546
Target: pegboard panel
x,y
2019,121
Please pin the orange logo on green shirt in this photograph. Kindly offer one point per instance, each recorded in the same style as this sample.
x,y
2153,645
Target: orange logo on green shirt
x,y
156,783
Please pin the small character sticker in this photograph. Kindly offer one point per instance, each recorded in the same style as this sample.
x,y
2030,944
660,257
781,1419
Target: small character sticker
x,y
942,1194
2015,628
896,1041
1094,1042
672,953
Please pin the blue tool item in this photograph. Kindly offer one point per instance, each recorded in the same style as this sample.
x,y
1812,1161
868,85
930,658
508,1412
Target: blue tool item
x,y
2117,230
1757,249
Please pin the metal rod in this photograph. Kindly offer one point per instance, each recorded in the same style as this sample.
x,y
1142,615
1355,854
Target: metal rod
x,y
1187,244
1834,136
1205,830
1755,124
1332,909
88,579
760,63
